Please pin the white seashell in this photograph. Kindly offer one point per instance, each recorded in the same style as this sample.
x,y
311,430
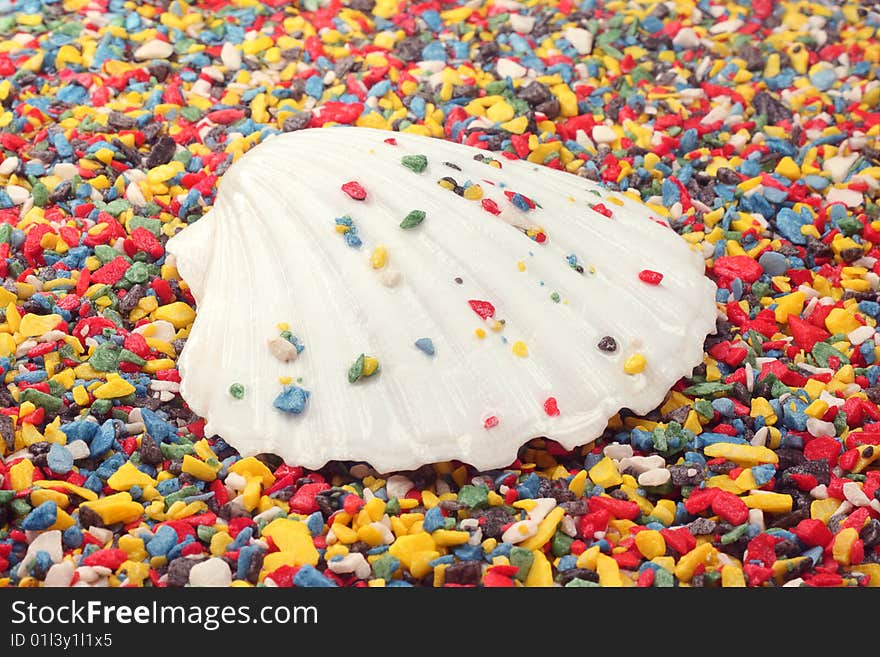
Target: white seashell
x,y
269,254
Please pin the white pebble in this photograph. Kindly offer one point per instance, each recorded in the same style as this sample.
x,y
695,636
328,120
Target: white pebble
x,y
581,39
391,277
602,134
9,165
397,486
760,437
160,329
78,448
686,38
17,194
640,464
817,427
756,518
543,506
353,562
154,49
282,349
568,526
49,542
859,335
102,534
849,197
522,24
65,170
855,495
730,26
520,531
269,515
214,572
235,481
618,451
230,56
60,575
134,195
819,492
656,477
793,583
839,165
509,68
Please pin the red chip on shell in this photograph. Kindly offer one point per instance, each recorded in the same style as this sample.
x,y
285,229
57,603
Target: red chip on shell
x,y
650,277
354,190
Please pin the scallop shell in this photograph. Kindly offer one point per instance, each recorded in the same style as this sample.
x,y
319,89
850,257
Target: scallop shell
x,y
485,314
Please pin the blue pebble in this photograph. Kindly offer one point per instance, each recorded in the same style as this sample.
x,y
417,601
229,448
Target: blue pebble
x,y
867,351
671,193
789,225
42,562
309,576
724,406
59,459
816,182
79,430
426,345
528,489
380,89
292,400
162,541
42,517
434,51
245,556
159,429
315,86
241,539
793,416
71,538
434,520
763,473
773,263
104,439
567,562
315,523
824,79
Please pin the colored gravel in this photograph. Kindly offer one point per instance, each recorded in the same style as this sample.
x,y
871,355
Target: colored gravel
x,y
753,126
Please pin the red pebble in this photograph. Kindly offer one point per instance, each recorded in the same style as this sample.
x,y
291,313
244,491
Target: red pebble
x,y
730,507
490,206
681,540
742,267
650,277
111,558
110,273
813,532
550,407
355,190
483,308
805,334
823,447
762,549
621,509
491,421
303,501
757,575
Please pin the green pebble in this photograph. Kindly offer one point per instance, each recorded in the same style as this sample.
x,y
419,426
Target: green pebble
x,y
496,87
15,268
118,413
105,253
40,195
392,507
191,113
105,358
152,208
555,297
55,388
186,491
236,390
127,356
561,544
415,163
100,407
177,450
5,233
577,582
476,497
839,423
20,507
6,497
734,534
822,351
357,370
385,567
41,399
137,273
658,437
708,388
413,219
522,559
152,225
205,533
118,206
663,579
449,523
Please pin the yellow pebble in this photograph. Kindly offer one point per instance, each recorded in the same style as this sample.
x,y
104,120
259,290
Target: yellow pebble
x,y
445,537
842,546
684,569
406,548
770,502
651,543
541,572
371,364
252,467
379,257
178,313
606,474
33,325
293,537
520,349
473,193
635,364
199,469
116,508
500,112
788,167
744,455
117,387
732,577
546,529
21,475
127,476
838,321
